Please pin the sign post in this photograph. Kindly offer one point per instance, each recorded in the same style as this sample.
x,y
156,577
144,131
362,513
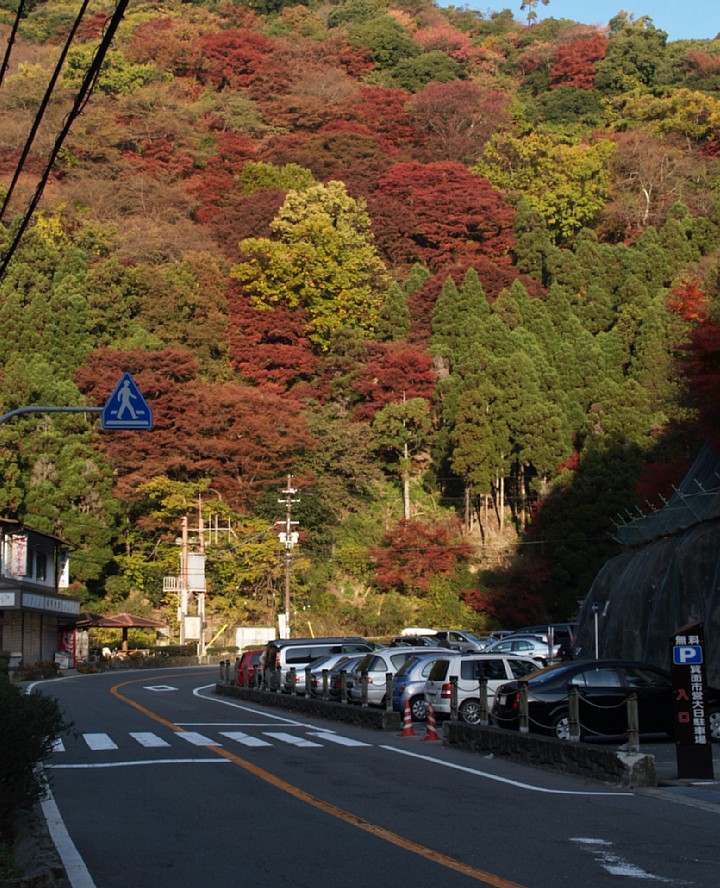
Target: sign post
x,y
692,731
595,609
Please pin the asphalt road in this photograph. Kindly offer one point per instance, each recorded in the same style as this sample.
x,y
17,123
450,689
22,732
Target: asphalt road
x,y
164,783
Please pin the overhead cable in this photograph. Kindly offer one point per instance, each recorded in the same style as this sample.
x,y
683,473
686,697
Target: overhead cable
x,y
43,107
81,99
11,39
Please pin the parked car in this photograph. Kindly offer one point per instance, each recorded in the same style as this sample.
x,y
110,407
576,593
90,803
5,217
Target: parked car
x,y
335,675
283,653
534,646
470,670
562,633
603,689
460,640
316,669
416,641
409,682
248,664
378,664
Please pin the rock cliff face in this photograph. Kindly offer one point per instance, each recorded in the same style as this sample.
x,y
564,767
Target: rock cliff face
x,y
645,595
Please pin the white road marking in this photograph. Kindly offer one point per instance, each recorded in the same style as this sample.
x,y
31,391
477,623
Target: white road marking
x,y
128,764
292,739
77,872
616,865
148,740
497,779
58,746
224,701
337,738
99,741
245,739
197,739
159,688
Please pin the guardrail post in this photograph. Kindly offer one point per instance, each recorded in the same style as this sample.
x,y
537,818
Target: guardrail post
x,y
454,697
222,671
293,681
343,686
524,717
364,688
483,701
574,713
388,691
308,680
325,689
633,724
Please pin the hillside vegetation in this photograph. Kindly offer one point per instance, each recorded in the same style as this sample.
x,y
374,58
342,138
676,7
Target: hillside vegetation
x,y
452,277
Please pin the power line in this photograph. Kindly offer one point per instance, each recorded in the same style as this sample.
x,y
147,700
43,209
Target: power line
x,y
81,99
11,39
43,107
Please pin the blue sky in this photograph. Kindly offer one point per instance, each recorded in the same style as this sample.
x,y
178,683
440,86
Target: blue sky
x,y
699,21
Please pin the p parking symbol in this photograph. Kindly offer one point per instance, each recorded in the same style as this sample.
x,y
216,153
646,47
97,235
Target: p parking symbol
x,y
687,654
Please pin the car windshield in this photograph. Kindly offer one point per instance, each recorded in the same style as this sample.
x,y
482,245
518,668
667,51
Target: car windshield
x,y
549,673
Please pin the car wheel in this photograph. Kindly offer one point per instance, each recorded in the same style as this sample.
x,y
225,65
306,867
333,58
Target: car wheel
x,y
714,720
470,711
560,726
418,709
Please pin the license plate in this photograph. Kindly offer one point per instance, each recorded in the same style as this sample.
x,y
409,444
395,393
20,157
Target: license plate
x,y
502,699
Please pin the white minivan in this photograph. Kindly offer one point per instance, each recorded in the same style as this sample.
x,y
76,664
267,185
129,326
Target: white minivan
x,y
469,671
284,654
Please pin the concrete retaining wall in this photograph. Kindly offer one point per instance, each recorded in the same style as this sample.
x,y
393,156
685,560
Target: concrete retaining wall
x,y
583,759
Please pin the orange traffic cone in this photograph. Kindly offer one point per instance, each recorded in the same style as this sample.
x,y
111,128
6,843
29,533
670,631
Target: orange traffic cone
x,y
408,730
431,733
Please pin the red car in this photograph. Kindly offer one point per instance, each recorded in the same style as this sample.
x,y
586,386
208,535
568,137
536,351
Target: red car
x,y
247,666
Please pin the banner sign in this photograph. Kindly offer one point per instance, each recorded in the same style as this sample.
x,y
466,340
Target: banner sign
x,y
690,713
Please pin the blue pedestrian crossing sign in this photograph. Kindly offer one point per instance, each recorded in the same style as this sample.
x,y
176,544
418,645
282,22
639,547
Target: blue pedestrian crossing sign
x,y
126,408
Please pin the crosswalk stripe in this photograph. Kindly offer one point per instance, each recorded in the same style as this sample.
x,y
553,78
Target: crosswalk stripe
x,y
245,739
292,739
148,740
98,742
337,738
197,739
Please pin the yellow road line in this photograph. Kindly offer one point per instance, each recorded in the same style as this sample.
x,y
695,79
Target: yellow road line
x,y
359,822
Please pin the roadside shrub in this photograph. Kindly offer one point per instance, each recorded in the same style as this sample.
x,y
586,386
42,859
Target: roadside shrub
x,y
29,726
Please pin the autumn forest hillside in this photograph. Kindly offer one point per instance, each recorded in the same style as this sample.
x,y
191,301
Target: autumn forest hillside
x,y
453,277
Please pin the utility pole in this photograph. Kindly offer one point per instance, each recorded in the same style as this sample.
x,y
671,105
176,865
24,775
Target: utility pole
x,y
289,537
184,580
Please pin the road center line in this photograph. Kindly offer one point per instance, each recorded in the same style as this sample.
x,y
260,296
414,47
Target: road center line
x,y
346,816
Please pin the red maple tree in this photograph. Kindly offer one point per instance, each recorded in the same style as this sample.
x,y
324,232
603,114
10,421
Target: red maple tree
x,y
415,553
242,437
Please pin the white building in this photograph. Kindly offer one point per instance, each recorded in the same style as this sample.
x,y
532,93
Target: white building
x,y
34,569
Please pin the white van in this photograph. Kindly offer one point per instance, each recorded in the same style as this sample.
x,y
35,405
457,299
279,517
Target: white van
x,y
469,670
283,654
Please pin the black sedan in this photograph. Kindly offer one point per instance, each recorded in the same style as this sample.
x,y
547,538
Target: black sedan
x,y
603,689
